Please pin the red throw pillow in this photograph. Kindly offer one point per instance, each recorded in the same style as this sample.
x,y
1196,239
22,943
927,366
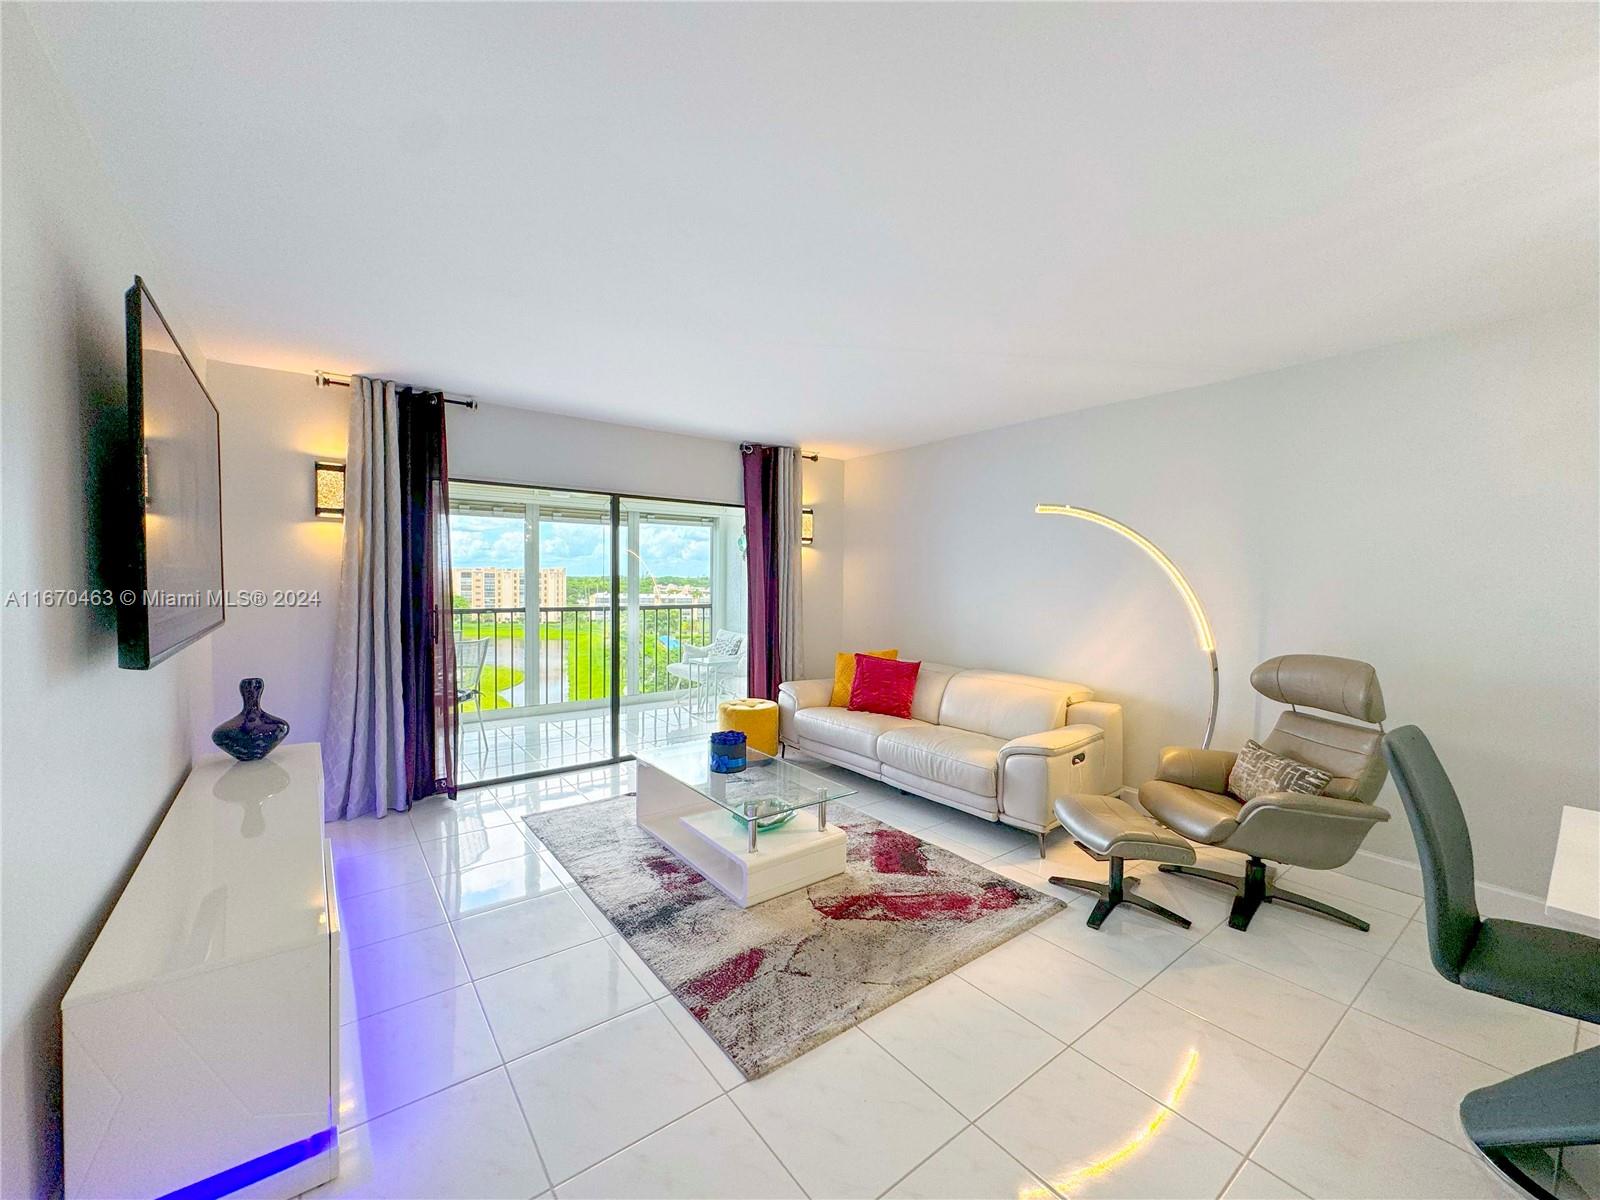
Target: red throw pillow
x,y
883,685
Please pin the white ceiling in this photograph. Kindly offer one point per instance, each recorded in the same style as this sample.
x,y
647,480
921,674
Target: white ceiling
x,y
857,227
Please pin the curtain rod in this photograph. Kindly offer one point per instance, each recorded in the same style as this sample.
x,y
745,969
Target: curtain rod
x,y
331,379
808,455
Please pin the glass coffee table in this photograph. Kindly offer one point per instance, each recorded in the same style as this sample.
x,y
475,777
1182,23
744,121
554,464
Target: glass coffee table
x,y
748,833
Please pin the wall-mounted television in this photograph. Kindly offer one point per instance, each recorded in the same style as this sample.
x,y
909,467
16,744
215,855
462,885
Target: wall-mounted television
x,y
171,592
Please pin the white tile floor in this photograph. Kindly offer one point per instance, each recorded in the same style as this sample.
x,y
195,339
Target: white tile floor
x,y
502,1041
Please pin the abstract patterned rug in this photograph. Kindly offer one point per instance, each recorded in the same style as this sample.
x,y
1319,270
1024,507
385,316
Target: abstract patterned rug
x,y
772,981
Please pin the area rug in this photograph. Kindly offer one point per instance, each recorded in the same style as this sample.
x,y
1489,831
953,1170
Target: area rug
x,y
772,981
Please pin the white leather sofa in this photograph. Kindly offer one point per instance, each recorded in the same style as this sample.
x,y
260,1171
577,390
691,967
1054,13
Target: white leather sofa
x,y
998,746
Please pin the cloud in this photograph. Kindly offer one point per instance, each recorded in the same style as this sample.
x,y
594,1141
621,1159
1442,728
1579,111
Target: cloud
x,y
583,549
480,541
675,549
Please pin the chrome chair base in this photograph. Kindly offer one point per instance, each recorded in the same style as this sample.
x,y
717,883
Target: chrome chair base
x,y
1515,1173
1552,1107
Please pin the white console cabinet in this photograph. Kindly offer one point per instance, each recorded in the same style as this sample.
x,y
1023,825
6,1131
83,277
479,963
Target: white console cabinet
x,y
200,1038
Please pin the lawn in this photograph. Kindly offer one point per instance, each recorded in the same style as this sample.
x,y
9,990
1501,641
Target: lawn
x,y
586,650
586,653
496,682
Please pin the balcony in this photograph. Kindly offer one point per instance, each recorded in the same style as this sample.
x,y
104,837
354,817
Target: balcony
x,y
555,711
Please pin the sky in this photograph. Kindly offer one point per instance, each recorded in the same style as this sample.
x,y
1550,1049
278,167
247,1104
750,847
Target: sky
x,y
485,541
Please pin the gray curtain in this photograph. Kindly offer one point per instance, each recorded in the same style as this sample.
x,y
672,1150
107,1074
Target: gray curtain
x,y
786,552
363,750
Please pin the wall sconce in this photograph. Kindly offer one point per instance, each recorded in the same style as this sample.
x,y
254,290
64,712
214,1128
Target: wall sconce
x,y
329,494
808,517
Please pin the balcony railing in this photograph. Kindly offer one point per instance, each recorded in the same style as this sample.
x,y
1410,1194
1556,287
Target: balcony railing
x,y
572,662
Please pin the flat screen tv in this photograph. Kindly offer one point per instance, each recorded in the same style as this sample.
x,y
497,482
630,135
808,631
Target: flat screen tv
x,y
171,590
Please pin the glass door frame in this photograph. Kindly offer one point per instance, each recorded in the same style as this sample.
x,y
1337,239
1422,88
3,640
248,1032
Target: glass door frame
x,y
530,593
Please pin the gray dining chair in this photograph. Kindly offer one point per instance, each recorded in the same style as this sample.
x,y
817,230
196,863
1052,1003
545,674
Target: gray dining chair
x,y
1550,1107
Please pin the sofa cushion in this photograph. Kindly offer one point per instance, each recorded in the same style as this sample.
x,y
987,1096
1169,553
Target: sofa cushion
x,y
956,757
1204,817
1111,828
864,765
856,732
987,807
931,683
1008,706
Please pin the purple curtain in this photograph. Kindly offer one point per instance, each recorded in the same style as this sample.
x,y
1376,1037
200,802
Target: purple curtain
x,y
761,560
428,661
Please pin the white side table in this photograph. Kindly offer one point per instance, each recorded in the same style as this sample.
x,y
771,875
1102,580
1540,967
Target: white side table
x,y
1573,899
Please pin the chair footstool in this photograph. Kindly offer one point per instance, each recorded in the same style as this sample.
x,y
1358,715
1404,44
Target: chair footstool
x,y
1111,831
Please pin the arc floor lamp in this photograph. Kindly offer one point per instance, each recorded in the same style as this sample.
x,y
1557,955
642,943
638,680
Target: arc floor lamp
x,y
1202,627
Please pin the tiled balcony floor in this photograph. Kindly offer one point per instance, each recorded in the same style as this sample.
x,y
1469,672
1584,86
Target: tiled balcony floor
x,y
512,746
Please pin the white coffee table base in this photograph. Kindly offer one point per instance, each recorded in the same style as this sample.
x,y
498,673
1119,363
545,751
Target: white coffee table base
x,y
710,840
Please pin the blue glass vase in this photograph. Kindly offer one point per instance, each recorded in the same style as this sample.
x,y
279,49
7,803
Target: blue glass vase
x,y
253,733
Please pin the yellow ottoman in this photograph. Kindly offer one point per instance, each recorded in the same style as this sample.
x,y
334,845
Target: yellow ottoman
x,y
756,719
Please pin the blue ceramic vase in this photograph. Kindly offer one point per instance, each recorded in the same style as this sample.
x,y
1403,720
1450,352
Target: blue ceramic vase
x,y
253,733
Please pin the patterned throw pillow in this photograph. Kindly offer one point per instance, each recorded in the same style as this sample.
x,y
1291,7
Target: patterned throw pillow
x,y
1258,771
726,644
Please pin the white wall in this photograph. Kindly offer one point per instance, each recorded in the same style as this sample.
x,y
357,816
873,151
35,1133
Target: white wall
x,y
822,565
274,425
1429,507
498,444
90,755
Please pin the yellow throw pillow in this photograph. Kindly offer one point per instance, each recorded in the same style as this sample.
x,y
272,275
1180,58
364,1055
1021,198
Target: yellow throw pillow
x,y
844,674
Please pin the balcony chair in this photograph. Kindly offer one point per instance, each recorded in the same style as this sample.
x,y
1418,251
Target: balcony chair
x,y
470,657
1190,791
700,679
1550,1107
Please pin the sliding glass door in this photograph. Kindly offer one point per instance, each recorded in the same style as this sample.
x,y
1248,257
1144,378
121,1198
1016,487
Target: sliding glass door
x,y
589,625
683,587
